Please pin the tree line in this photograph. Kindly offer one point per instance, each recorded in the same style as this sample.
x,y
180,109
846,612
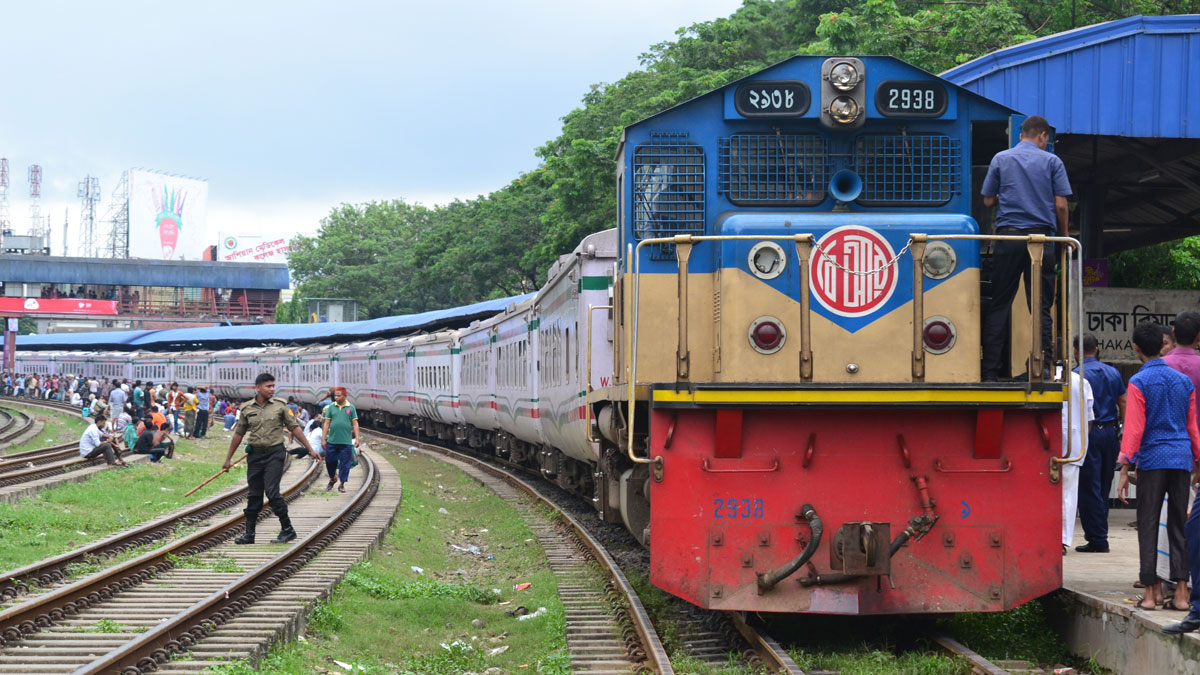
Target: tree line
x,y
395,257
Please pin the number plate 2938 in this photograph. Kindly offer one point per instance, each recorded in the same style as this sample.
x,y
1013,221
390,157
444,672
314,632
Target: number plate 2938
x,y
734,507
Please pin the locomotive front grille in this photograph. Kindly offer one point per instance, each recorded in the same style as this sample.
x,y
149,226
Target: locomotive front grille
x,y
772,169
908,168
668,190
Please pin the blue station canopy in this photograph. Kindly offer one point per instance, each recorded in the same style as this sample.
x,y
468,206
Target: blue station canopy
x,y
42,269
220,337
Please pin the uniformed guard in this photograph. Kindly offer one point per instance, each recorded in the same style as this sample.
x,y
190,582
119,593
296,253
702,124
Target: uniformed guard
x,y
262,423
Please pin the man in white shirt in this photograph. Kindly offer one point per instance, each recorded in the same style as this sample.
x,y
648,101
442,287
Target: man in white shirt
x,y
94,443
1081,425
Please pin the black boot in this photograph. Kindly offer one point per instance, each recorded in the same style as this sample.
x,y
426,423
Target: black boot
x,y
287,533
248,537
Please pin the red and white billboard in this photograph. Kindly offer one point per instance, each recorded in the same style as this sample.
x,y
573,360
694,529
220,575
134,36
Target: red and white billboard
x,y
9,306
167,216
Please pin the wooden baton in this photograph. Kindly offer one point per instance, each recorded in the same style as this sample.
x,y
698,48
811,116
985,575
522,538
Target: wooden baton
x,y
215,476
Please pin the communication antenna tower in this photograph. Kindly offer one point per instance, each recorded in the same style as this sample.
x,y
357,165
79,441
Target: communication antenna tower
x,y
5,223
35,196
116,244
89,197
66,228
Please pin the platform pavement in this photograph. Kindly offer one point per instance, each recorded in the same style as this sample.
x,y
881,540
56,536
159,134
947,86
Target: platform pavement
x,y
1122,637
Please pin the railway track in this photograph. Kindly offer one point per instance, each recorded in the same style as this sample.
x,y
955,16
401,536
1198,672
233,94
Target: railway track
x,y
14,424
174,609
609,631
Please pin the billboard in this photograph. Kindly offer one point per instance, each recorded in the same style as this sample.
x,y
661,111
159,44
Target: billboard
x,y
167,216
252,248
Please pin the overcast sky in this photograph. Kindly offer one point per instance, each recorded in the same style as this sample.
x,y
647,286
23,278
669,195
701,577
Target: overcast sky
x,y
289,109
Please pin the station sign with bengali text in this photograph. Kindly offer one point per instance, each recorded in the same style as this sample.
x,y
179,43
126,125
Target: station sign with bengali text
x,y
1111,314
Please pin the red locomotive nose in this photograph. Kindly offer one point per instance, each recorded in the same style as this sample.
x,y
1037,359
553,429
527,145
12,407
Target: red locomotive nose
x,y
767,335
938,335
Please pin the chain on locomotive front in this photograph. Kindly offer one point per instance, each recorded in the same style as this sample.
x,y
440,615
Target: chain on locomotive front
x,y
797,352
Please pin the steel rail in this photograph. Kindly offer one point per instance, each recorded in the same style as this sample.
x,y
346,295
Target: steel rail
x,y
27,474
652,647
54,570
7,433
979,665
29,617
176,635
37,456
772,654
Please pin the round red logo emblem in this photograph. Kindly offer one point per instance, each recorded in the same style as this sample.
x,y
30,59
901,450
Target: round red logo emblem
x,y
850,275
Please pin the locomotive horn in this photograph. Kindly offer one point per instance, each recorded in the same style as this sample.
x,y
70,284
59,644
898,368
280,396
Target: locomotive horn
x,y
845,186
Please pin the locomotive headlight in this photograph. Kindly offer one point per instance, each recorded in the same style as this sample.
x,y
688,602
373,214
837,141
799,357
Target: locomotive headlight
x,y
844,76
843,110
939,261
767,260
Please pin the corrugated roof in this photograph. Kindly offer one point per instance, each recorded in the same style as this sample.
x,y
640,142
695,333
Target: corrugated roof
x,y
230,336
1136,77
136,272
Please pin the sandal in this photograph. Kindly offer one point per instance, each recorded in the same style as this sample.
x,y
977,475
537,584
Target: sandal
x,y
1169,604
1137,602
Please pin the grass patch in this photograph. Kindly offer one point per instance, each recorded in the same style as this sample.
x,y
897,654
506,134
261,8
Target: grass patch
x,y
63,518
199,562
1020,633
58,428
101,626
868,660
385,617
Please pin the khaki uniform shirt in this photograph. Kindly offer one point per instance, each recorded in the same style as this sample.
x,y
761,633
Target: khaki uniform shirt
x,y
264,426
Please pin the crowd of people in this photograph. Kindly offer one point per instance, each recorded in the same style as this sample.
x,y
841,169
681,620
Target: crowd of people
x,y
1149,430
144,418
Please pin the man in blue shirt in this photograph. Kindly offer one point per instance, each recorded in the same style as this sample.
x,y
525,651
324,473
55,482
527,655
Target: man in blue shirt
x,y
1030,185
1096,475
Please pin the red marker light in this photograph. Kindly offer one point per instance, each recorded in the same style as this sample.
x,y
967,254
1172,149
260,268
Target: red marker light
x,y
767,336
938,336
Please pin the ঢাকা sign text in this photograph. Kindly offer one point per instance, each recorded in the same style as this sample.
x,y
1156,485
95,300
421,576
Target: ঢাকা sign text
x,y
850,272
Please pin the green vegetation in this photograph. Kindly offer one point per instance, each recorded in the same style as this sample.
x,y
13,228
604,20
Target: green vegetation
x,y
1019,633
386,617
101,626
203,562
64,518
420,258
58,428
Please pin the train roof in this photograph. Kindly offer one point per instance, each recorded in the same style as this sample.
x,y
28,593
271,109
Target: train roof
x,y
223,337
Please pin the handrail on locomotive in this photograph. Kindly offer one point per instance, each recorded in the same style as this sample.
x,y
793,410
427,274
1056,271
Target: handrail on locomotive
x,y
1071,290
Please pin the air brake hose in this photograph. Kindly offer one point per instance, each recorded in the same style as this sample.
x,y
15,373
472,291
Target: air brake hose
x,y
917,525
768,580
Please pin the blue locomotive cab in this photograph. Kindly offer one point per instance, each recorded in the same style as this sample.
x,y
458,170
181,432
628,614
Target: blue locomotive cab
x,y
802,212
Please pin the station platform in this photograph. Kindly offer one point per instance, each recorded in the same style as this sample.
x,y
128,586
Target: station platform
x,y
1102,620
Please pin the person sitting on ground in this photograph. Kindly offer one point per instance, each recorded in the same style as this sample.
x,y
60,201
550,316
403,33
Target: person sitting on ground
x,y
76,400
98,406
1162,438
147,444
230,418
131,432
95,443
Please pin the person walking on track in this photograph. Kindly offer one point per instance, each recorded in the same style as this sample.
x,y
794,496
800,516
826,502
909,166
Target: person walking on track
x,y
262,423
340,429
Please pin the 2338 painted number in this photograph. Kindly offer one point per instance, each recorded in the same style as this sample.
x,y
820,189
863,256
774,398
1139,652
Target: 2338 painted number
x,y
737,508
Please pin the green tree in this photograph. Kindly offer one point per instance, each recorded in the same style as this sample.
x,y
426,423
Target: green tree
x,y
1170,265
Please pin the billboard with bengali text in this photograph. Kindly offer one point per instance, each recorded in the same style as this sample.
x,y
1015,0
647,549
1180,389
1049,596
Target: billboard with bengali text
x,y
167,216
234,247
11,305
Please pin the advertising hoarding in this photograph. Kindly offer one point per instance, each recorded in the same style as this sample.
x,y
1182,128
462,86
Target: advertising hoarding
x,y
1112,314
167,216
57,306
235,247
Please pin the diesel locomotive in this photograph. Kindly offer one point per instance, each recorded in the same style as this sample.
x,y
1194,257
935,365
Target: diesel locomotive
x,y
769,370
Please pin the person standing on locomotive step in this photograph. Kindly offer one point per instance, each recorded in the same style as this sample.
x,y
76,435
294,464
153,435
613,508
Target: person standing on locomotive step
x,y
1095,477
1162,439
1072,443
262,423
339,429
1030,185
